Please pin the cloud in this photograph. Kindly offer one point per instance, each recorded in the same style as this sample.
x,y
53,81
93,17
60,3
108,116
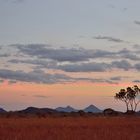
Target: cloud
x,y
4,55
125,9
137,66
80,67
111,6
40,56
136,46
42,51
14,1
34,76
18,1
123,64
137,22
136,81
99,80
58,54
131,57
81,36
128,54
108,38
96,67
12,82
37,62
84,67
1,80
71,54
116,78
44,78
41,96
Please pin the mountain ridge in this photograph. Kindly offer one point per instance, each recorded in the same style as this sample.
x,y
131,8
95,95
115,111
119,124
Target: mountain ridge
x,y
67,109
2,110
92,108
33,110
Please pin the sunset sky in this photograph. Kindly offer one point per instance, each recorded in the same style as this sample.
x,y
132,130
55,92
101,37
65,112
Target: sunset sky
x,y
68,52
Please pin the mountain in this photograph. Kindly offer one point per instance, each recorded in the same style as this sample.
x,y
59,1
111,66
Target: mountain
x,y
33,110
92,109
66,109
2,110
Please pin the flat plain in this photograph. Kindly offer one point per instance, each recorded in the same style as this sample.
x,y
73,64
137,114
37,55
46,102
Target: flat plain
x,y
70,128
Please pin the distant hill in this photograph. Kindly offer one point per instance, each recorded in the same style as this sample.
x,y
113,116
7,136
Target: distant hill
x,y
2,110
66,109
33,110
92,109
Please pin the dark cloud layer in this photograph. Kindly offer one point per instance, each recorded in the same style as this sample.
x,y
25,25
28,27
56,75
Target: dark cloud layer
x,y
44,56
137,66
80,67
99,67
60,54
117,78
40,96
4,55
123,64
43,51
1,81
136,81
12,81
37,62
108,38
78,59
41,77
137,22
33,76
84,67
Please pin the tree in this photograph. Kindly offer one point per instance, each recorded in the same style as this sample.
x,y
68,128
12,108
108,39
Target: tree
x,y
130,96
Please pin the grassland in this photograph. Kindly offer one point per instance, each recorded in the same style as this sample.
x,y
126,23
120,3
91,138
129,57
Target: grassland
x,y
70,128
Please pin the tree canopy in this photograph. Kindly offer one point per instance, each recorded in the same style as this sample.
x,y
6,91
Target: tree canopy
x,y
130,96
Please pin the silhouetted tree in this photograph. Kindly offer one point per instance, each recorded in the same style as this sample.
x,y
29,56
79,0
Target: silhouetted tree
x,y
130,97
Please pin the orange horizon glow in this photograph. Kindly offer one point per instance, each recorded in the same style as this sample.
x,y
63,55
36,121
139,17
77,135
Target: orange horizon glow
x,y
77,94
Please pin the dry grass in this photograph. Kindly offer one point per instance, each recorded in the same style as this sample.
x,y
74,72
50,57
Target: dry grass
x,y
70,128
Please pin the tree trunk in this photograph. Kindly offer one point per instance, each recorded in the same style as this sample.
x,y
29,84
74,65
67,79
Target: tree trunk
x,y
131,104
135,107
127,106
136,104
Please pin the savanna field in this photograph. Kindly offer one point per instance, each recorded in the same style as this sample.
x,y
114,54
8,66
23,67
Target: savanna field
x,y
70,128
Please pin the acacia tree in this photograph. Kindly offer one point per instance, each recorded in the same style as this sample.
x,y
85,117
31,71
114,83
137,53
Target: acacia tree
x,y
130,96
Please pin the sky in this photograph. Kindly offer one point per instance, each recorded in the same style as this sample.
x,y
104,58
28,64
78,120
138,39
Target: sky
x,y
68,52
